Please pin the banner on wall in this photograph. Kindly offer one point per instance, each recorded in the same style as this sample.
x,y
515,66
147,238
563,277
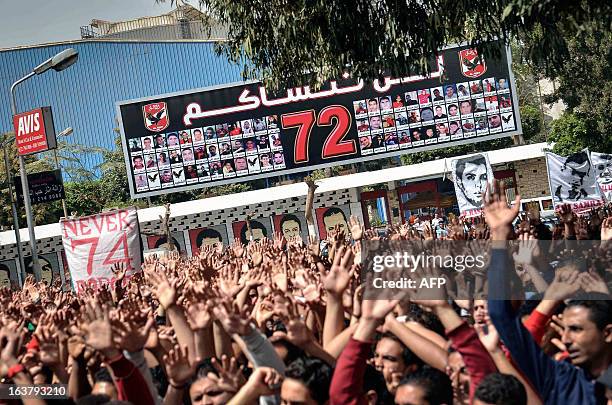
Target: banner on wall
x,y
260,228
207,236
602,162
291,225
94,244
573,181
243,131
330,217
471,176
159,242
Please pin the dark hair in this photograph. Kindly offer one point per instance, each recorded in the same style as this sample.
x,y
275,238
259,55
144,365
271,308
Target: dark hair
x,y
290,217
207,233
373,380
254,225
501,389
103,375
333,211
163,240
579,158
476,160
96,399
314,373
598,304
407,355
436,385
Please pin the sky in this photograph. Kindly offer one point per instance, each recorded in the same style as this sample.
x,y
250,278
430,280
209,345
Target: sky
x,y
29,22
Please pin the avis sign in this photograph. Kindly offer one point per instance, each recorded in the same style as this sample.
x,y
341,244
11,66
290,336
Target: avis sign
x,y
34,131
95,244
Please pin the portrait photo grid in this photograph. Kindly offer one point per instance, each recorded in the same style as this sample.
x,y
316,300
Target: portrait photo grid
x,y
210,153
448,112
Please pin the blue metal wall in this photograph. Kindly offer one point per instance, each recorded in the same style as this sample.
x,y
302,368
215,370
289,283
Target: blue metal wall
x,y
84,95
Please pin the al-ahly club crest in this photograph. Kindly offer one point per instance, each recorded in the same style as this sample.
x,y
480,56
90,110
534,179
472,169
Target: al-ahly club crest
x,y
472,64
156,116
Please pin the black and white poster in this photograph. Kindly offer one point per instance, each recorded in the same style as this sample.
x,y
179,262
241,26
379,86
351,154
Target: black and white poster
x,y
573,181
602,162
471,175
244,131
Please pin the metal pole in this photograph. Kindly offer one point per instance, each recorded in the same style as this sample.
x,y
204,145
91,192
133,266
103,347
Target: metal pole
x,y
26,188
9,181
58,166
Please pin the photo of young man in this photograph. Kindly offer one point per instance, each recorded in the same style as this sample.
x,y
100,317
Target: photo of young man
x,y
138,163
187,155
241,165
465,107
172,139
360,107
373,106
453,110
450,92
265,161
385,103
398,102
279,160
175,157
427,114
185,138
440,113
198,137
259,124
424,97
222,131
135,145
463,90
147,144
411,98
160,141
211,135
437,94
365,142
363,126
375,123
235,129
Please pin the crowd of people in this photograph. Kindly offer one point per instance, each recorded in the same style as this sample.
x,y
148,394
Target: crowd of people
x,y
284,322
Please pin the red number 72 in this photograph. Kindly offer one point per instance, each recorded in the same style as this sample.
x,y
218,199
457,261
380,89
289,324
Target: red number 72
x,y
335,144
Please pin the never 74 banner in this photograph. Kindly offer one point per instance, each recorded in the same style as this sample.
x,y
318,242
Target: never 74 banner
x,y
96,243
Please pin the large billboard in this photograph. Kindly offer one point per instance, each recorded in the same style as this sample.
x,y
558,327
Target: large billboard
x,y
239,132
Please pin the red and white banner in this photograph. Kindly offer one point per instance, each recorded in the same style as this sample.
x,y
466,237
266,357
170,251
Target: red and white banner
x,y
34,131
94,244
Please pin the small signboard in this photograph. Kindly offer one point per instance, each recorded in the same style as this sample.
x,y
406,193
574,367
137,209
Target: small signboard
x,y
34,131
44,187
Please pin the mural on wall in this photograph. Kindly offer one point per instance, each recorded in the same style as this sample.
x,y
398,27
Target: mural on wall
x,y
261,228
50,267
329,217
210,235
8,274
291,225
157,242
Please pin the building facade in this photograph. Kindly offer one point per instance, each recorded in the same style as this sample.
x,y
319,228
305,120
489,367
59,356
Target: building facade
x,y
83,97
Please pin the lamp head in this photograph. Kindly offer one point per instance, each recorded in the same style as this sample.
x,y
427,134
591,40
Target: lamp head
x,y
59,62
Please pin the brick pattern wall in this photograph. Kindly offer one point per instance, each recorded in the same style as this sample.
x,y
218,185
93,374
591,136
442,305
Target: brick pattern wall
x,y
532,178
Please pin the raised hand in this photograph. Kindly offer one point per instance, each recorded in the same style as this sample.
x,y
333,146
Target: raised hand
x,y
164,290
48,345
566,215
199,315
230,377
233,319
528,248
97,329
178,369
340,274
314,247
237,248
606,229
356,228
592,282
128,334
498,215
565,284
488,335
76,346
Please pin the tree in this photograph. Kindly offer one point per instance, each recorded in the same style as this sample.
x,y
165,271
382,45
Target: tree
x,y
583,84
280,40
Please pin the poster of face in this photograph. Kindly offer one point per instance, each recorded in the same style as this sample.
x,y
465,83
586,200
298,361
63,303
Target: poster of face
x,y
157,242
573,181
207,236
49,267
8,274
260,228
471,176
602,162
291,225
329,217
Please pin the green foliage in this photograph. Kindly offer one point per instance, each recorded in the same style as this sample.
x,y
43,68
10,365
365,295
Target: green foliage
x,y
279,40
531,120
570,134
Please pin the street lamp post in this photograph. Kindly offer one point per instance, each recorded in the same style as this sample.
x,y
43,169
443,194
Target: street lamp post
x,y
65,132
58,63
